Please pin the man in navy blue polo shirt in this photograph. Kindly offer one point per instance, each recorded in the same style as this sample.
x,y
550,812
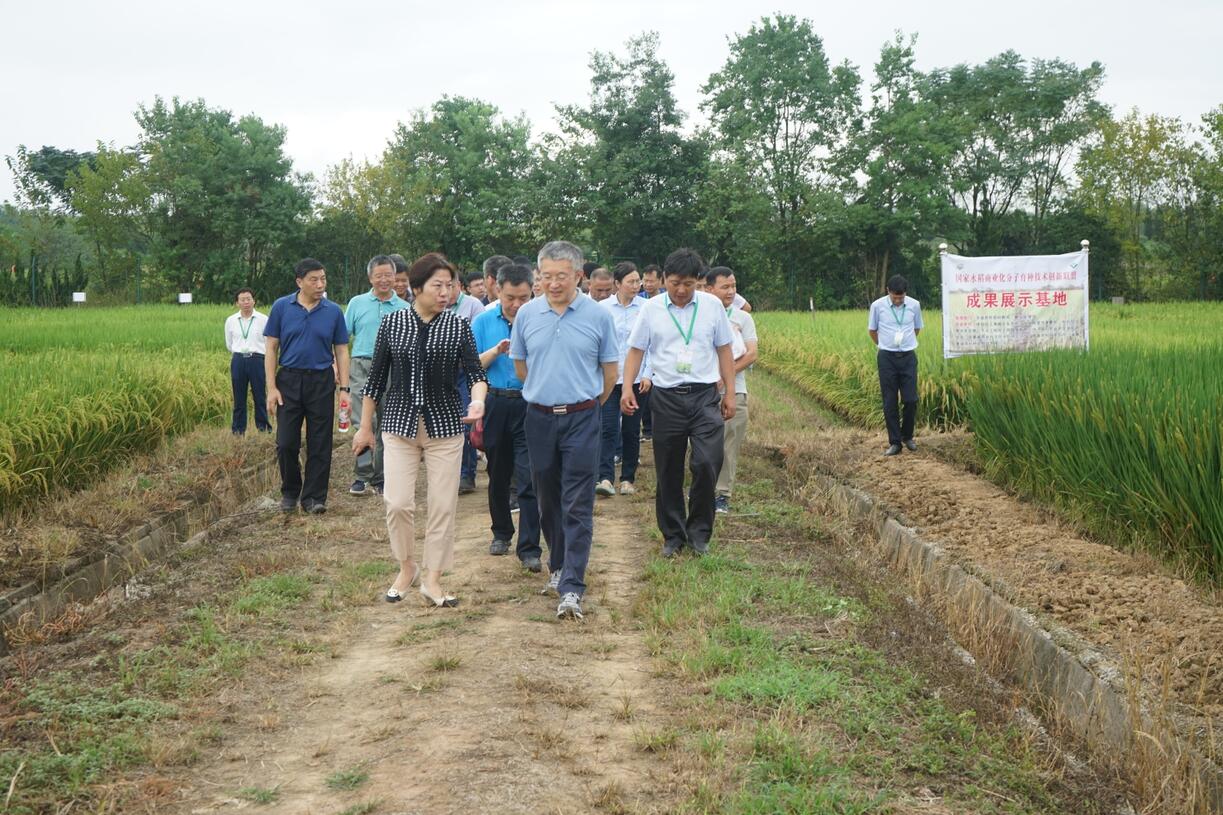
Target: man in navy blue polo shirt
x,y
564,350
505,435
306,332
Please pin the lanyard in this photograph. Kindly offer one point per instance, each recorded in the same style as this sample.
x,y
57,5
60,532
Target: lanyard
x,y
900,321
246,331
691,323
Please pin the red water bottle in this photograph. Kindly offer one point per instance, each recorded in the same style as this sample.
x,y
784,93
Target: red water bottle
x,y
343,424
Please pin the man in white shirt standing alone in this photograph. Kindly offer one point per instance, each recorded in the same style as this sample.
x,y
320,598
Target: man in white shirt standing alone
x,y
894,323
244,339
687,337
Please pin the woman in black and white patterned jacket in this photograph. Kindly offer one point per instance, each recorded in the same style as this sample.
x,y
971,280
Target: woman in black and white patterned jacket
x,y
417,358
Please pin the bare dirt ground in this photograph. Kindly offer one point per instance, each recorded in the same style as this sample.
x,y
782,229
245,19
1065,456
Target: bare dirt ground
x,y
495,706
1127,606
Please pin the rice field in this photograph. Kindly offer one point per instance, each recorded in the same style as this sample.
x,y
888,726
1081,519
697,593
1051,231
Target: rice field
x,y
83,389
1128,437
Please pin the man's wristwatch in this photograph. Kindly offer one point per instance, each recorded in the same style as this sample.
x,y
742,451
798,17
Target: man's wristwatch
x,y
345,389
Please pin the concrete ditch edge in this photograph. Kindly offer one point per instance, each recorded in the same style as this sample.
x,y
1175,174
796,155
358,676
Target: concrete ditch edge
x,y
1080,699
87,579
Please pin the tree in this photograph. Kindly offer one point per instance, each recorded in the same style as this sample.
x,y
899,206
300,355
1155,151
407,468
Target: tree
x,y
42,177
1125,174
639,170
457,179
222,192
111,197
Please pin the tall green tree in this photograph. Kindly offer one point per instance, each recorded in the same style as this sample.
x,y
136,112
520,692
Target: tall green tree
x,y
640,171
111,198
782,111
41,176
223,194
457,177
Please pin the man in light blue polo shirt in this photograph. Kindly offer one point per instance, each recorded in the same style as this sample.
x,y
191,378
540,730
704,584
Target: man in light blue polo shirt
x,y
687,336
362,317
505,435
564,350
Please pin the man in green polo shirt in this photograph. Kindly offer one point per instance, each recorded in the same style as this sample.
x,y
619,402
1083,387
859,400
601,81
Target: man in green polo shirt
x,y
363,316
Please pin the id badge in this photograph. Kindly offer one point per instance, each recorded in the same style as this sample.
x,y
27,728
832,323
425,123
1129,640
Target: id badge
x,y
898,338
683,362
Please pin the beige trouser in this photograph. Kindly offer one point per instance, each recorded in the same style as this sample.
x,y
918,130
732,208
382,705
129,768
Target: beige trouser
x,y
736,430
402,461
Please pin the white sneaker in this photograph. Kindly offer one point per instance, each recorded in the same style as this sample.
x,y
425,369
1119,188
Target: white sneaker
x,y
570,606
554,583
605,487
627,488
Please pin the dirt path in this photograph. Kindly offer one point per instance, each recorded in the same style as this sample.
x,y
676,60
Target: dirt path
x,y
494,707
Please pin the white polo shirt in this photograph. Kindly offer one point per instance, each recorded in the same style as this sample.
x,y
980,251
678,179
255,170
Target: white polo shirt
x,y
682,343
243,336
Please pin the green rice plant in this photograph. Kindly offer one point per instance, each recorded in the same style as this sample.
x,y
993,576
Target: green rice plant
x,y
1128,437
82,390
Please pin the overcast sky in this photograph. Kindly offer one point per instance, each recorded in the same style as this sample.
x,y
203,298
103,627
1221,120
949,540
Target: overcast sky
x,y
339,76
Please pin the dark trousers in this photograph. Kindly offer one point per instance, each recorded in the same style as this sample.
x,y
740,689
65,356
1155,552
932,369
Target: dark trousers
x,y
898,374
647,415
308,396
620,432
564,459
467,464
247,371
505,443
690,414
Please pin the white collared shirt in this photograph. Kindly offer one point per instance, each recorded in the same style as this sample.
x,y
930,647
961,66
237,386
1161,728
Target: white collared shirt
x,y
888,319
625,317
658,333
252,342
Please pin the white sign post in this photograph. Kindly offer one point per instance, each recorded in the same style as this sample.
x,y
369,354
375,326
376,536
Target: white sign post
x,y
78,297
184,298
1023,303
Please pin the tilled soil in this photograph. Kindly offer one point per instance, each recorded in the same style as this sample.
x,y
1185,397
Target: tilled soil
x,y
1124,604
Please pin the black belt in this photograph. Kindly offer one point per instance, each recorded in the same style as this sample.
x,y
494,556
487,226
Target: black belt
x,y
692,387
508,393
306,370
561,410
896,353
362,357
243,354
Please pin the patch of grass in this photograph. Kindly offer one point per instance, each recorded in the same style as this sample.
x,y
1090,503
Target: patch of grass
x,y
348,779
266,594
444,663
361,809
757,636
259,795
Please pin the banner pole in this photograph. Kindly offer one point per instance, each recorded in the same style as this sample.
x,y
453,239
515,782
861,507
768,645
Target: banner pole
x,y
942,254
1085,245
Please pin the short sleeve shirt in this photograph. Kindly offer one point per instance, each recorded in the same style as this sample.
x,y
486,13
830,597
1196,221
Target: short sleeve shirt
x,y
888,320
489,329
564,352
661,331
306,337
742,323
363,316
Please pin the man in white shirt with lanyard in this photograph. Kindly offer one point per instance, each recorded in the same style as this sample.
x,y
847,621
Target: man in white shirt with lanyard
x,y
894,323
244,339
687,336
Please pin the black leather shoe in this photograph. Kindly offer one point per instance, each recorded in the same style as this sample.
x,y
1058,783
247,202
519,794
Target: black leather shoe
x,y
670,549
317,508
700,549
288,504
532,564
894,450
467,485
499,547
910,444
